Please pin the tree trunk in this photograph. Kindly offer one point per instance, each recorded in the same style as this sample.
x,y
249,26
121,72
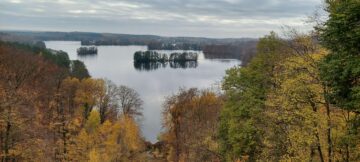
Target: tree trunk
x,y
319,148
329,141
317,134
64,131
312,154
7,136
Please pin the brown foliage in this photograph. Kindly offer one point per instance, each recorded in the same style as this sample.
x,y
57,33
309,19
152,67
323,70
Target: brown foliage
x,y
26,84
191,123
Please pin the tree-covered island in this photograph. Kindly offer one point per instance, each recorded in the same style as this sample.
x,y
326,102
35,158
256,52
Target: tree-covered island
x,y
87,51
153,56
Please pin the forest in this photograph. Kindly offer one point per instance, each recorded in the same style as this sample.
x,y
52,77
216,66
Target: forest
x,y
297,99
243,51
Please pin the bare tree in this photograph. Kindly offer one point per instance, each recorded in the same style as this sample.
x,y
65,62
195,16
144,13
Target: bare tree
x,y
129,101
108,104
118,100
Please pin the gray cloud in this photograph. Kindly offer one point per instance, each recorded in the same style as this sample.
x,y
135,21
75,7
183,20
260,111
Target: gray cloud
x,y
210,18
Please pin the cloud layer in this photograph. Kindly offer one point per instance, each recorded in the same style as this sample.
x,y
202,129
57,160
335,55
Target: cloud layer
x,y
207,18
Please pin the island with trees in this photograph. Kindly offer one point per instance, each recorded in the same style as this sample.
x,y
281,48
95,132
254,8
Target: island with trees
x,y
87,51
152,60
153,56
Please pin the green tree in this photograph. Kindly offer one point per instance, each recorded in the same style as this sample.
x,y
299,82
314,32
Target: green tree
x,y
245,88
340,70
78,70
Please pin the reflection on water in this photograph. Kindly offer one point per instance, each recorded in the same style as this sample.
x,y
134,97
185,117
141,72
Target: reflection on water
x,y
183,64
149,66
222,60
116,63
87,57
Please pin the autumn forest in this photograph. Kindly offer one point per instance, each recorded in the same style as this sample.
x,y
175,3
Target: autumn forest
x,y
296,99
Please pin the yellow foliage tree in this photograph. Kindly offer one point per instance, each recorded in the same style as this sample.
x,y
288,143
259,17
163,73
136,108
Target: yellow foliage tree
x,y
303,124
118,141
93,122
89,94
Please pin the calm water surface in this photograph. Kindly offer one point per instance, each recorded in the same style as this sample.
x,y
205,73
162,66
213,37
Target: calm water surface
x,y
154,84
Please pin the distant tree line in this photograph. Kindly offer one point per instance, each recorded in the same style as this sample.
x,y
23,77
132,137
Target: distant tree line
x,y
152,45
9,37
155,45
111,42
241,48
243,51
87,51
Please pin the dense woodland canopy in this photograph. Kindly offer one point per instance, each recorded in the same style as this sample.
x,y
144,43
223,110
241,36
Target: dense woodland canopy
x,y
297,100
53,112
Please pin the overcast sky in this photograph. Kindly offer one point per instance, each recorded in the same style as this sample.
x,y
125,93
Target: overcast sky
x,y
204,18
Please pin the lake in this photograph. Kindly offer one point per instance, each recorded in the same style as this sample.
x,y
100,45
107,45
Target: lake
x,y
152,82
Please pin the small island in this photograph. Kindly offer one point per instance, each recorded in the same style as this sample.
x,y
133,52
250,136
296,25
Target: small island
x,y
153,56
87,51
